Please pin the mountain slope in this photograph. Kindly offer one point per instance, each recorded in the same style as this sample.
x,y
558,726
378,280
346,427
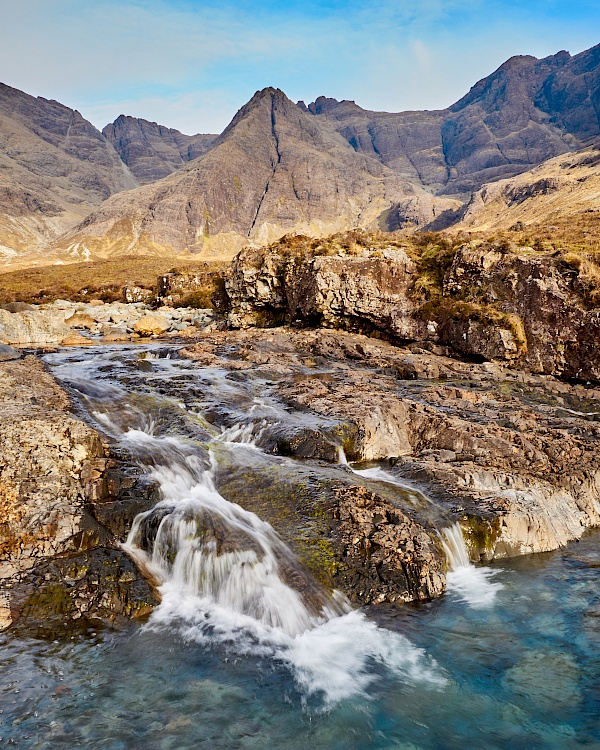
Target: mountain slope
x,y
562,190
54,168
152,151
274,169
527,111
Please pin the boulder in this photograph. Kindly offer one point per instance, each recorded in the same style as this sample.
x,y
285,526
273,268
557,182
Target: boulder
x,y
59,522
7,353
81,320
33,327
152,325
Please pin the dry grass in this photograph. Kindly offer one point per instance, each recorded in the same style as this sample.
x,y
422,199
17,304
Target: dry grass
x,y
83,281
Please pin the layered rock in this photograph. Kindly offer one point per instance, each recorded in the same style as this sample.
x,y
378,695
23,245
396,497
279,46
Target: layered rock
x,y
63,507
533,309
513,457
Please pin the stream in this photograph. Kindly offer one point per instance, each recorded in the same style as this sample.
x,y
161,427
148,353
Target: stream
x,y
248,649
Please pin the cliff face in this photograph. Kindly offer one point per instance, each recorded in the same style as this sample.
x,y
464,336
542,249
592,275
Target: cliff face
x,y
152,151
534,310
54,168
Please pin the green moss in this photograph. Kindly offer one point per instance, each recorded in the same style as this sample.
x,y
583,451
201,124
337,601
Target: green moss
x,y
480,534
319,557
49,600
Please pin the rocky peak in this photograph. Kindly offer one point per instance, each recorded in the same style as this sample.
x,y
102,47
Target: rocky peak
x,y
153,151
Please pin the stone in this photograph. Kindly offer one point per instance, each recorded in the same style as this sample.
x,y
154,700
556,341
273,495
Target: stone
x,y
59,519
490,445
152,325
81,320
7,353
16,307
33,327
76,339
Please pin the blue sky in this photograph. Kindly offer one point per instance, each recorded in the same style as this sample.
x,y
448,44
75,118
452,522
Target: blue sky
x,y
190,64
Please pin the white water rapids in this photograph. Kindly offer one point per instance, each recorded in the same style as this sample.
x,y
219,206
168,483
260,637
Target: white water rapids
x,y
226,577
475,585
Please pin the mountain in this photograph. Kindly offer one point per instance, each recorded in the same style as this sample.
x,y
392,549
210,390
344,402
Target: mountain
x,y
54,168
274,169
152,151
527,111
69,191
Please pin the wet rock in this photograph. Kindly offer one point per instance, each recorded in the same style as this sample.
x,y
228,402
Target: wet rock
x,y
500,451
387,556
57,498
101,587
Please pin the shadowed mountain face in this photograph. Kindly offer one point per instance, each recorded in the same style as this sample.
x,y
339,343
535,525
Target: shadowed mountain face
x,y
527,111
275,168
54,168
152,151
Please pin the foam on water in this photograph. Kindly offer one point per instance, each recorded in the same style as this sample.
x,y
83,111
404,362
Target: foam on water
x,y
474,585
223,575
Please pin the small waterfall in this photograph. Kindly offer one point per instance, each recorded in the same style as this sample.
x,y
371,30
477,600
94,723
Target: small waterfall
x,y
225,577
377,474
208,548
474,585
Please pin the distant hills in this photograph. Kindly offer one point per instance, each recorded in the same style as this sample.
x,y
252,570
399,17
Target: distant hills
x,y
68,191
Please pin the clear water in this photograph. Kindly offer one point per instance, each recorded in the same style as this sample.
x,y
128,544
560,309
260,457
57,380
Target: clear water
x,y
509,658
523,673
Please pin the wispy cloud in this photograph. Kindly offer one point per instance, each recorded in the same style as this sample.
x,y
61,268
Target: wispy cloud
x,y
190,64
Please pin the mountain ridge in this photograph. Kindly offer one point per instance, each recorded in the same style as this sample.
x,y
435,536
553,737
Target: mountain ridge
x,y
328,166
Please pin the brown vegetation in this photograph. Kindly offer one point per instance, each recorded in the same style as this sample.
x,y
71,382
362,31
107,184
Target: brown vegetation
x,y
84,281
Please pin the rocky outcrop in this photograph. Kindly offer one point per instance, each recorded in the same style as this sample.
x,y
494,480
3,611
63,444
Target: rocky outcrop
x,y
512,457
64,505
534,310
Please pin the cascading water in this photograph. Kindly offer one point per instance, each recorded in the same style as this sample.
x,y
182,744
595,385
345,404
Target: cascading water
x,y
225,577
472,584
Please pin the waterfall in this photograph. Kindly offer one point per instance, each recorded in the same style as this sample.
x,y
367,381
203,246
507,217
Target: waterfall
x,y
226,579
473,584
206,547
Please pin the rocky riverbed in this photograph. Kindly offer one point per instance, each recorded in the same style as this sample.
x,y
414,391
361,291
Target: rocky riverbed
x,y
432,440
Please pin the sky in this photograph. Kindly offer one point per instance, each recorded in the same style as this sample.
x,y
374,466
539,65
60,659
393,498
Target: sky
x,y
190,64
